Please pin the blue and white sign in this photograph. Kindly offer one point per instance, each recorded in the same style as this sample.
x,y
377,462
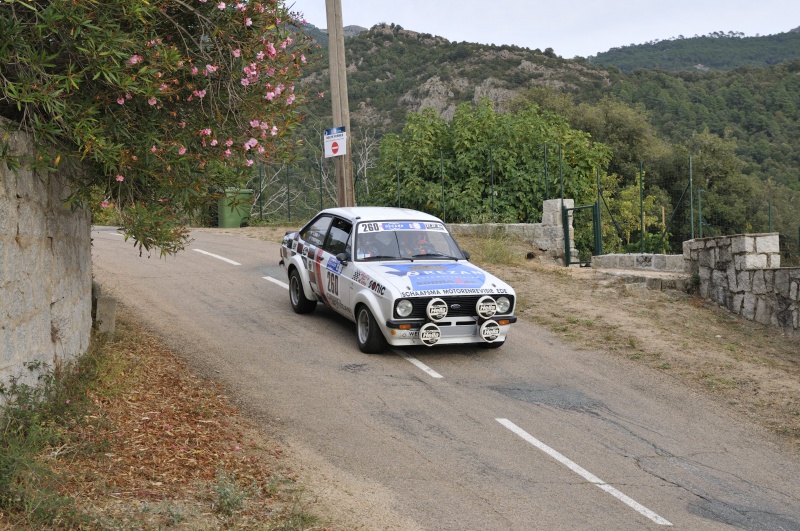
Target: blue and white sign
x,y
335,142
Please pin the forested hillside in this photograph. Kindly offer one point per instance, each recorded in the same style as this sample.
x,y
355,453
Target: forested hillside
x,y
715,51
738,127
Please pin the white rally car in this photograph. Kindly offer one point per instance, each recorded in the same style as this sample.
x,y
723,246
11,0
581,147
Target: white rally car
x,y
399,275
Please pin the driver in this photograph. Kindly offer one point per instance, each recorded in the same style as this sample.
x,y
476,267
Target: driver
x,y
413,243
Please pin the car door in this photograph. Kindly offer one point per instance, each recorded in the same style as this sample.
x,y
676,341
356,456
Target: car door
x,y
312,238
333,273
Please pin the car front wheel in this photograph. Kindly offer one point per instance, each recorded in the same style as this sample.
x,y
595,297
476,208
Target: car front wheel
x,y
370,337
300,304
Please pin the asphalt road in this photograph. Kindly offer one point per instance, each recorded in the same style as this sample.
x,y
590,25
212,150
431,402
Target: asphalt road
x,y
534,435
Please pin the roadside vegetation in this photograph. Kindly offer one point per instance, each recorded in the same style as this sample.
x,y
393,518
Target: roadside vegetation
x,y
128,438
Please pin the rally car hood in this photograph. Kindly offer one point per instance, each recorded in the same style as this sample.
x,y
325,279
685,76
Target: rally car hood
x,y
431,277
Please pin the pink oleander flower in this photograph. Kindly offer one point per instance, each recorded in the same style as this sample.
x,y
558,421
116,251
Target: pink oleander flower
x,y
260,56
205,132
199,93
269,96
254,123
194,70
163,87
214,142
120,178
104,204
303,58
221,6
134,59
320,94
237,52
245,82
271,50
250,162
229,142
183,125
121,100
290,99
153,149
152,100
260,149
248,22
128,95
182,151
274,130
227,153
211,69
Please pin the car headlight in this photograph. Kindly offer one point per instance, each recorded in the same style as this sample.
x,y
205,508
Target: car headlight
x,y
503,304
404,308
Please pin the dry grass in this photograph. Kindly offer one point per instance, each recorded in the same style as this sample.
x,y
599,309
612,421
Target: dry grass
x,y
162,448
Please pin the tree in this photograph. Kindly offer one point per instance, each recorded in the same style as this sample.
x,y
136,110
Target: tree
x,y
158,106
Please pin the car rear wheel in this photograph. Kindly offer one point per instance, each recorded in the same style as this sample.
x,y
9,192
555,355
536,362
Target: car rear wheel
x,y
370,337
300,304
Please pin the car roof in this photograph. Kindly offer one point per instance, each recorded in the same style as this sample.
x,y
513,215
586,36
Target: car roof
x,y
372,213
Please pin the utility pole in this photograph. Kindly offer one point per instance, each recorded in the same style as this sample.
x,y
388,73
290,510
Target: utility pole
x,y
341,109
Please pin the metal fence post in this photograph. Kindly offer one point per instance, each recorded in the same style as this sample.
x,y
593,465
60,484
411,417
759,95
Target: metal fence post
x,y
691,197
641,207
546,183
441,171
491,166
288,196
397,170
700,210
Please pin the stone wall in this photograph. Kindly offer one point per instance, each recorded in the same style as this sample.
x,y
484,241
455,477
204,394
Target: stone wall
x,y
671,263
45,269
743,274
547,236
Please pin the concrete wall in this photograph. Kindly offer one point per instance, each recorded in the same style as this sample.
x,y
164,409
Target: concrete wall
x,y
671,263
547,236
743,274
45,268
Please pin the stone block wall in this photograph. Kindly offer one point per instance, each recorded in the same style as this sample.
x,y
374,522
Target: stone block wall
x,y
743,274
45,268
670,263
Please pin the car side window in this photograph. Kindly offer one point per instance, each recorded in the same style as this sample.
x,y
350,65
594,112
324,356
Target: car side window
x,y
339,237
314,233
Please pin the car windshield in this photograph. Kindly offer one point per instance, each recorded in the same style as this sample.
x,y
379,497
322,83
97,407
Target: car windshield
x,y
405,240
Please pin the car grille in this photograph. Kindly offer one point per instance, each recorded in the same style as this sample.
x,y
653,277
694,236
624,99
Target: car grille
x,y
467,305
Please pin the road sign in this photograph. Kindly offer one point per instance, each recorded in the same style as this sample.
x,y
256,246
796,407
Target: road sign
x,y
335,142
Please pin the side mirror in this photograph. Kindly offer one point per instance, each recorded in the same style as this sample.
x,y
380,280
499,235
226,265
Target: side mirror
x,y
343,257
466,254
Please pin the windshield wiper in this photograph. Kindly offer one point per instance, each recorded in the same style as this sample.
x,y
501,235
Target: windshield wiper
x,y
379,257
435,255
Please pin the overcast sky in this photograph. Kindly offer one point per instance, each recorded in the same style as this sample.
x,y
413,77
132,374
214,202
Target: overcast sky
x,y
571,27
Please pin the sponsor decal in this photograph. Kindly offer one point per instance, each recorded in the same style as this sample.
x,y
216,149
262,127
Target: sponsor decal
x,y
381,226
334,265
454,291
337,305
365,280
440,276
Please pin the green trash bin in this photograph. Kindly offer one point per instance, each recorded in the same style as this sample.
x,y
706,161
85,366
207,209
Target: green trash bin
x,y
232,215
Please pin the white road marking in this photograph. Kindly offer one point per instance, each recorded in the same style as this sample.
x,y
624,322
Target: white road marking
x,y
278,282
417,363
413,361
217,256
588,476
